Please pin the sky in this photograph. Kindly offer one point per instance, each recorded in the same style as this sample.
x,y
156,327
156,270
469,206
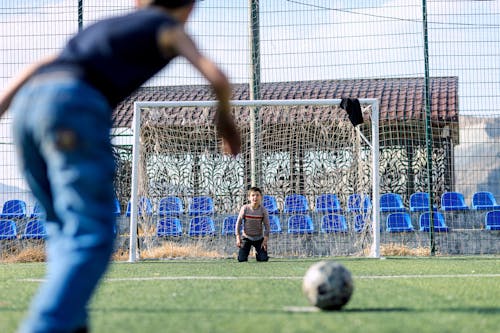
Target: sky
x,y
299,40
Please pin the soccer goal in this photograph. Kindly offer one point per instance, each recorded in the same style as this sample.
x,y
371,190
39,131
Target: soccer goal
x,y
184,191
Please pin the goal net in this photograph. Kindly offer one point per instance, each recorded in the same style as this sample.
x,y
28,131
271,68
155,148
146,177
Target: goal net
x,y
318,172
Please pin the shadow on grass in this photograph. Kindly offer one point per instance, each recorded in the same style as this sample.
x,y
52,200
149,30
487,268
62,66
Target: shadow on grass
x,y
469,310
378,310
442,258
218,311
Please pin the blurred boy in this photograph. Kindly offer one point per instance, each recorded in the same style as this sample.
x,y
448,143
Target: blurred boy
x,y
62,109
255,227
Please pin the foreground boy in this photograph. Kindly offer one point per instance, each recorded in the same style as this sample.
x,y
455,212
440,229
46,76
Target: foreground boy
x,y
62,109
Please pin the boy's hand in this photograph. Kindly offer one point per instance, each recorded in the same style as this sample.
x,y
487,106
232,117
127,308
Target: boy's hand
x,y
238,242
264,244
228,131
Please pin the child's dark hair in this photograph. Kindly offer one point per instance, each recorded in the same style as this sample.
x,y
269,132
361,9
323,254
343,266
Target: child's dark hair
x,y
254,189
172,3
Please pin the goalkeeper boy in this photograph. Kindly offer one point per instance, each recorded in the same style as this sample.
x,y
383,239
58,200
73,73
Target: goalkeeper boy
x,y
62,108
255,227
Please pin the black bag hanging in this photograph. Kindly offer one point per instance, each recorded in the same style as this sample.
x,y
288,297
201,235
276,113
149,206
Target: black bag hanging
x,y
353,108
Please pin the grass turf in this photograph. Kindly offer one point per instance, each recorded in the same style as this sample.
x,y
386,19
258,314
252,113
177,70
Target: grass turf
x,y
391,295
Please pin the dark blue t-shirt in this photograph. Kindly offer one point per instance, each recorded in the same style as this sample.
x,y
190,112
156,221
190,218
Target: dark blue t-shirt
x,y
117,55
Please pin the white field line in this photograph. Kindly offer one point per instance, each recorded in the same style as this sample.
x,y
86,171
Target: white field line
x,y
239,278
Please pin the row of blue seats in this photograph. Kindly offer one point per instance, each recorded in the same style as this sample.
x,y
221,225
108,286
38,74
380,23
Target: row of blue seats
x,y
389,202
293,204
401,221
303,224
325,203
17,209
450,201
419,202
296,224
34,229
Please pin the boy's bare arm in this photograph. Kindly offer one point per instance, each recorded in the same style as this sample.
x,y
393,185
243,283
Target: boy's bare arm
x,y
237,230
267,230
17,83
176,40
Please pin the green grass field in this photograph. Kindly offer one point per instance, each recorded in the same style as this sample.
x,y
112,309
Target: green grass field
x,y
391,295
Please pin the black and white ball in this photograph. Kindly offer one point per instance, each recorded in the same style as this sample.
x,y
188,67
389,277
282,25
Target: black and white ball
x,y
328,285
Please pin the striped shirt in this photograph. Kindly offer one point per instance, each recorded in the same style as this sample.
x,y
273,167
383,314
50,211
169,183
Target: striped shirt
x,y
256,224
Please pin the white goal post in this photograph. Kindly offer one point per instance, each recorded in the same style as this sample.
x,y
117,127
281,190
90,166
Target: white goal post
x,y
139,106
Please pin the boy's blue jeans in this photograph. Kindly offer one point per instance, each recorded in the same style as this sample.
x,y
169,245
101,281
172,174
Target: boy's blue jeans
x,y
61,129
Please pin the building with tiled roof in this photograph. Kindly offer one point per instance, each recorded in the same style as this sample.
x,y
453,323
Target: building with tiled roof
x,y
399,98
402,124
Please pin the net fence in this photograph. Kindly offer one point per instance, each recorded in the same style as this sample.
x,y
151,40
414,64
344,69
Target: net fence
x,y
297,49
297,154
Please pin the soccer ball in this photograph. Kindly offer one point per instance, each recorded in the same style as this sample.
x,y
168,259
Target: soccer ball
x,y
328,285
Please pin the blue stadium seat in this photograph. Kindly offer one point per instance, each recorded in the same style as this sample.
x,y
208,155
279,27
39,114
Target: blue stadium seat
x,y
8,229
170,206
201,205
13,209
391,203
327,204
144,207
229,225
359,222
269,203
439,222
300,224
333,223
296,204
358,204
37,212
451,201
399,222
492,220
419,202
201,226
169,227
118,210
484,201
35,229
275,224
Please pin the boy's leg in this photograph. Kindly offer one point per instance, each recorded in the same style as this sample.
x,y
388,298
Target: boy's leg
x,y
72,139
261,254
244,251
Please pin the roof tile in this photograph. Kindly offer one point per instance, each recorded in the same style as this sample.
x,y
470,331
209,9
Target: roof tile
x,y
400,98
